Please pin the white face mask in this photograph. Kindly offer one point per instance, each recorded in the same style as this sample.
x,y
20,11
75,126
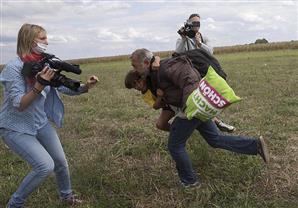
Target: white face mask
x,y
40,48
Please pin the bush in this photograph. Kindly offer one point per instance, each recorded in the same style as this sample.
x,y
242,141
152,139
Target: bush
x,y
259,41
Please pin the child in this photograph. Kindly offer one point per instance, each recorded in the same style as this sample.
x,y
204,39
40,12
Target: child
x,y
134,80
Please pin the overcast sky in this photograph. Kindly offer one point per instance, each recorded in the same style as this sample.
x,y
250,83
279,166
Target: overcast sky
x,y
91,28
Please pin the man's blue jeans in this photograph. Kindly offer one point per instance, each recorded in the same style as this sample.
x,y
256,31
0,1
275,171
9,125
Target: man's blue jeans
x,y
45,154
181,130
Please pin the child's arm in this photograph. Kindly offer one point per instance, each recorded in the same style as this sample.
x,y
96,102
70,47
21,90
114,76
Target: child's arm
x,y
159,102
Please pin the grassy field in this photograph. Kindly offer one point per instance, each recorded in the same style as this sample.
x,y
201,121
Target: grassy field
x,y
119,160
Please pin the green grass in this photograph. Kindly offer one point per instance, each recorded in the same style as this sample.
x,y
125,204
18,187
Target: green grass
x,y
118,159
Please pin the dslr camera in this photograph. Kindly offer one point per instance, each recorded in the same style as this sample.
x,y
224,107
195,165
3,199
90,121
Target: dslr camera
x,y
187,29
30,69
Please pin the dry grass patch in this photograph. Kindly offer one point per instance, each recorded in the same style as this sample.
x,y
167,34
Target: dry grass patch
x,y
281,178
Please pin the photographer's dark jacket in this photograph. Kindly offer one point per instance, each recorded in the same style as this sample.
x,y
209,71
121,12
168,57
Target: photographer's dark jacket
x,y
176,78
47,105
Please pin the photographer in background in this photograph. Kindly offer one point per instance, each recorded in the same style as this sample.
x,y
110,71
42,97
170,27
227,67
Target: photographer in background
x,y
191,38
24,118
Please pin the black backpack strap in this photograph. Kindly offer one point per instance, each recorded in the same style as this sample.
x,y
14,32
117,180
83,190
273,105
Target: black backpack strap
x,y
187,44
201,36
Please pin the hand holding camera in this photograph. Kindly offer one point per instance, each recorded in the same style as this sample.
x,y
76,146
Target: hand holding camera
x,y
189,29
186,31
181,32
48,72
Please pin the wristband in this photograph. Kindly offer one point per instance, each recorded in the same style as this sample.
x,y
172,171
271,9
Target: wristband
x,y
35,90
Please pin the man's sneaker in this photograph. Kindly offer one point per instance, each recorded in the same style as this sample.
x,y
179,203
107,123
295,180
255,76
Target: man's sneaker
x,y
72,201
262,150
225,127
191,185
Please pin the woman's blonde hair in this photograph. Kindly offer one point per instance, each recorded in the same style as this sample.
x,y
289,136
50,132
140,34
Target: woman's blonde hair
x,y
26,36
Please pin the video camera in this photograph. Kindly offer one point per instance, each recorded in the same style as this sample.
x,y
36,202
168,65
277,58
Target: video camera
x,y
187,29
30,69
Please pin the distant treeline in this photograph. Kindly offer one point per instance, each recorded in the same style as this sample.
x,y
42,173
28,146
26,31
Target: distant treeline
x,y
257,47
217,50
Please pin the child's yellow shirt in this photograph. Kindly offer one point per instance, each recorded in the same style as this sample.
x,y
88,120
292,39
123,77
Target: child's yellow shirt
x,y
149,98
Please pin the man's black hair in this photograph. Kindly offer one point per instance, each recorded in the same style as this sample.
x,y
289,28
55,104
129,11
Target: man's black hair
x,y
194,15
131,77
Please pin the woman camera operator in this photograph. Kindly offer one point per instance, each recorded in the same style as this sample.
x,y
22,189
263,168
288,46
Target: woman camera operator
x,y
24,118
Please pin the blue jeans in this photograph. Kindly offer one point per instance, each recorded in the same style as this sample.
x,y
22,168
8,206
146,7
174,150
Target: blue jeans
x,y
45,154
181,130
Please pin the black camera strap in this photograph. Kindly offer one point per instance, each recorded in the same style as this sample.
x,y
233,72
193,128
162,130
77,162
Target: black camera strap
x,y
187,43
42,81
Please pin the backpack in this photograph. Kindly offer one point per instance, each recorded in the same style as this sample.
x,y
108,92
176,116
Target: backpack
x,y
201,60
